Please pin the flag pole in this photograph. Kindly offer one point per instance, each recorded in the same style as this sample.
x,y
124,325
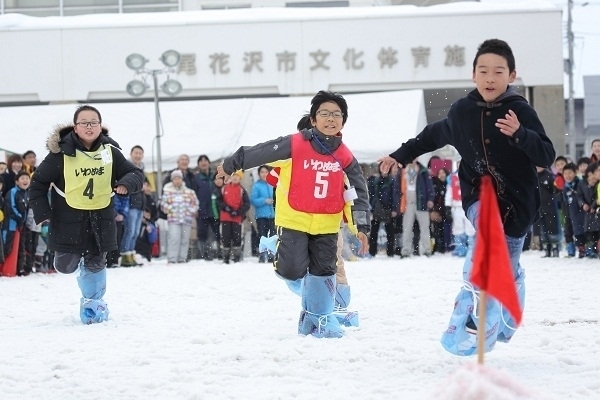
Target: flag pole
x,y
481,326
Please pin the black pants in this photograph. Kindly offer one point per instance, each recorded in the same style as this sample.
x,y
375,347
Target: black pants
x,y
231,234
389,232
112,257
203,225
30,240
299,253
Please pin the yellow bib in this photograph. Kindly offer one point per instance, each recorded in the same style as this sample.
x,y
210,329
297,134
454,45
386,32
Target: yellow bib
x,y
88,179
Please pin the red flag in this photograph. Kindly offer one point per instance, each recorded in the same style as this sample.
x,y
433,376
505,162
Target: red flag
x,y
273,176
492,271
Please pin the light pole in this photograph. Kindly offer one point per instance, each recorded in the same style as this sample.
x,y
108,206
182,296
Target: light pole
x,y
171,87
571,99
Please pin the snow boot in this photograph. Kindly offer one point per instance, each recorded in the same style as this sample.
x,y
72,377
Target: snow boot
x,y
460,246
236,254
318,301
555,252
93,286
571,249
226,254
548,248
342,300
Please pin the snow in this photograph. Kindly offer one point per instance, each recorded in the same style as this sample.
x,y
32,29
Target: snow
x,y
206,330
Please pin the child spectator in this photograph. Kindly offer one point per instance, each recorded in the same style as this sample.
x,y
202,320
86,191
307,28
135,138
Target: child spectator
x,y
261,198
233,203
559,164
384,198
592,214
582,165
16,205
180,204
574,210
548,213
121,205
147,236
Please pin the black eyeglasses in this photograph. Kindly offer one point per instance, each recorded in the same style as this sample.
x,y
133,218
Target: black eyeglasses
x,y
327,114
93,124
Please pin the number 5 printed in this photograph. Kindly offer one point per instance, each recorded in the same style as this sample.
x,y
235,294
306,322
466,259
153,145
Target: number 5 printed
x,y
321,185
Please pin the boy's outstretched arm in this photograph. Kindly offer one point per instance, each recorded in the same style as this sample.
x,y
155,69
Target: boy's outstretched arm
x,y
253,156
434,136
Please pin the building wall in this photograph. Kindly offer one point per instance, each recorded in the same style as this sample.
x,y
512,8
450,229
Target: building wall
x,y
549,104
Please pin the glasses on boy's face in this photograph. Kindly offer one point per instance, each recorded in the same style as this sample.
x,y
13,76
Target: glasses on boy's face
x,y
327,114
93,124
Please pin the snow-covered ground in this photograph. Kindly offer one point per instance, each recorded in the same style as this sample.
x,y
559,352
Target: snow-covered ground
x,y
205,330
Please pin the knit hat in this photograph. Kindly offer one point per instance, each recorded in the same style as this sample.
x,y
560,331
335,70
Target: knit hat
x,y
176,173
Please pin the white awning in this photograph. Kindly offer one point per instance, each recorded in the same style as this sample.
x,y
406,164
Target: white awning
x,y
378,123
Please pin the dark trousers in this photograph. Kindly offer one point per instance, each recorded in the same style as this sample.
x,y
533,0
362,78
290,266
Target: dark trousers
x,y
30,240
374,235
112,257
203,225
299,253
231,234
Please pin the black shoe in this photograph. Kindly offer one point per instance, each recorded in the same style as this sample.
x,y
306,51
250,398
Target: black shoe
x,y
470,326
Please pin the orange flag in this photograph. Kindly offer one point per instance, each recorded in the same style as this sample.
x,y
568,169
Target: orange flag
x,y
492,271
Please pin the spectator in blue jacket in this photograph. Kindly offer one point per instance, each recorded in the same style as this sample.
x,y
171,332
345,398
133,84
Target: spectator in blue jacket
x,y
261,198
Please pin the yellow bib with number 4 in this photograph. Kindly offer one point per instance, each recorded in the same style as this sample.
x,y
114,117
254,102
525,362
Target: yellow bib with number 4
x,y
88,179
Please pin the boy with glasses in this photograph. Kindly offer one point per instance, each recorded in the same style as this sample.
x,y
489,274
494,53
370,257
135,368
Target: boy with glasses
x,y
311,196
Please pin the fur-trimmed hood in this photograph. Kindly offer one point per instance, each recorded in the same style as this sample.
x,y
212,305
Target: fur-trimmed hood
x,y
64,140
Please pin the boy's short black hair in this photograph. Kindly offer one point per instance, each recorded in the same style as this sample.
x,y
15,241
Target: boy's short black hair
x,y
591,168
583,160
326,96
202,157
137,146
570,166
498,47
20,174
28,152
561,158
86,107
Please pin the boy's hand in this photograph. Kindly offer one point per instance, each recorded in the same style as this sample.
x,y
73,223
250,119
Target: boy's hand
x,y
388,163
221,173
121,189
364,243
509,124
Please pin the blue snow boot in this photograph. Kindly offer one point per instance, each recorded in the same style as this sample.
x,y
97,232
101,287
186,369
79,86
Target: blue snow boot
x,y
318,301
460,246
342,300
508,326
571,249
268,244
93,286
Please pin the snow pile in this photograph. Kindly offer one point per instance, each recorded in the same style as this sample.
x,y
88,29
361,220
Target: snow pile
x,y
479,382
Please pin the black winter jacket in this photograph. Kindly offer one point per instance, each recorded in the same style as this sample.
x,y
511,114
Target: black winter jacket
x,y
470,128
72,230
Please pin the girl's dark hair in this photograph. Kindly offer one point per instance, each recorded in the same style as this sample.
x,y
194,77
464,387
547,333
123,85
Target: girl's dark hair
x,y
583,160
265,167
86,107
498,47
325,96
304,122
12,159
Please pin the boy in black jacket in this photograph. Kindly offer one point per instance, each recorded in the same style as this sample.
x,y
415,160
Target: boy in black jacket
x,y
497,133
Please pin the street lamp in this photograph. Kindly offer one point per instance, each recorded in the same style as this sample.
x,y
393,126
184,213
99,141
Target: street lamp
x,y
137,87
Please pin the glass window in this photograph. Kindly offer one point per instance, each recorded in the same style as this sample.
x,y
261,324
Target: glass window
x,y
90,3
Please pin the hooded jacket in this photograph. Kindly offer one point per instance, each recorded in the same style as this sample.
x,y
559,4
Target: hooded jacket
x,y
510,161
74,230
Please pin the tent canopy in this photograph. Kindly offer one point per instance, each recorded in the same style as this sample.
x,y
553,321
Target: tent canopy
x,y
377,124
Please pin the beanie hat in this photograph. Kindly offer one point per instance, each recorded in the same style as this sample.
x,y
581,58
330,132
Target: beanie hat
x,y
176,173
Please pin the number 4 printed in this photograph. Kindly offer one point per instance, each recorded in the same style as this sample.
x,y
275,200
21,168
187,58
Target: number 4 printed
x,y
89,189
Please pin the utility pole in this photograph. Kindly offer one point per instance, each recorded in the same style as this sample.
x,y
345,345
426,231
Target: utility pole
x,y
571,101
